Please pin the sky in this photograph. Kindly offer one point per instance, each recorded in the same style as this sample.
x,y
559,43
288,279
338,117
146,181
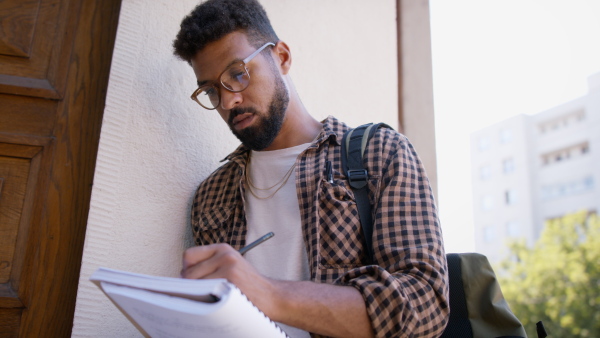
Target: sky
x,y
494,59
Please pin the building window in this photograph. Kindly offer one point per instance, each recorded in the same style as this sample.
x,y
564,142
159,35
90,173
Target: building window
x,y
508,165
484,143
562,122
505,136
565,154
510,197
588,183
513,229
585,148
548,193
485,172
487,203
564,189
489,234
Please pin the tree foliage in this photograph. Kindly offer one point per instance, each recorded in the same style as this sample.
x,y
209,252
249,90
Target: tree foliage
x,y
557,280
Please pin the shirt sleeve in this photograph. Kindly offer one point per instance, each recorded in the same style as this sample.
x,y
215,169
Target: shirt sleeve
x,y
406,288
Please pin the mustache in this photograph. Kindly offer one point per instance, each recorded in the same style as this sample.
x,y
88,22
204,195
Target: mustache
x,y
239,111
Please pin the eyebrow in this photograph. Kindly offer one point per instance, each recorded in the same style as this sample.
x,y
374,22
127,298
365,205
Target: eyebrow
x,y
202,83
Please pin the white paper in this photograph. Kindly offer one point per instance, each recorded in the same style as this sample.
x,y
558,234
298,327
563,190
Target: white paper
x,y
159,314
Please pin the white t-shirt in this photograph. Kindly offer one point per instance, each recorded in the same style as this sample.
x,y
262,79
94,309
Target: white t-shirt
x,y
284,256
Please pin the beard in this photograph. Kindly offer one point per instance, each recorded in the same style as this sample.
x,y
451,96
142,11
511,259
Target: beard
x,y
267,126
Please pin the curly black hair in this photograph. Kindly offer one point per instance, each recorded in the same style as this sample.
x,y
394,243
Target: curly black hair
x,y
213,19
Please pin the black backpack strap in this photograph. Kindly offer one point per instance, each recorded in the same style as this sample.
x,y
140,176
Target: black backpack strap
x,y
354,143
459,325
541,330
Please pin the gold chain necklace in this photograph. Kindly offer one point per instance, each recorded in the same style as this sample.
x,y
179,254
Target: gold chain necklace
x,y
281,182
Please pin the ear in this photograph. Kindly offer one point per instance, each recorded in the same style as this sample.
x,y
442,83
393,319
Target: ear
x,y
283,56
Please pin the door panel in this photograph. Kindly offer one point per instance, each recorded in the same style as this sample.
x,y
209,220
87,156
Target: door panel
x,y
18,21
22,115
19,168
34,46
54,65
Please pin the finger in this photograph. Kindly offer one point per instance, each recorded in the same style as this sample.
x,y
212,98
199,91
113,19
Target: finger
x,y
201,270
223,259
193,256
206,270
224,264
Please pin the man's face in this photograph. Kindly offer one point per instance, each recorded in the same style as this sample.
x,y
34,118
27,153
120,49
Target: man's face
x,y
255,115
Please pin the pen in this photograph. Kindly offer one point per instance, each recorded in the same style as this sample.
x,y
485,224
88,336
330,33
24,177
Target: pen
x,y
328,172
255,243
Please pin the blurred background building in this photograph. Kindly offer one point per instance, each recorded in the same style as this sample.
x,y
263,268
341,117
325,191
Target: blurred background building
x,y
532,168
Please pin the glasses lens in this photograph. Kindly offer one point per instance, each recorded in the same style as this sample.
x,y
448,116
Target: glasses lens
x,y
235,78
208,97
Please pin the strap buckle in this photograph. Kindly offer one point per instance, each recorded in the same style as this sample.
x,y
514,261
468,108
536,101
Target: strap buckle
x,y
357,178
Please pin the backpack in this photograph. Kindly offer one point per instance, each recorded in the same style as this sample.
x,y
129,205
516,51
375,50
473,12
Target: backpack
x,y
478,308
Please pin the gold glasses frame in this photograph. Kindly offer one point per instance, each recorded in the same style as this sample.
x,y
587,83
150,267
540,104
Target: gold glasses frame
x,y
213,86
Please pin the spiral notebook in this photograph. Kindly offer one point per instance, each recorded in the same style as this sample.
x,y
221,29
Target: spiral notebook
x,y
176,307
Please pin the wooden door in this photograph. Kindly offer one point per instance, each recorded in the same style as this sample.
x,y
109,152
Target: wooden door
x,y
54,65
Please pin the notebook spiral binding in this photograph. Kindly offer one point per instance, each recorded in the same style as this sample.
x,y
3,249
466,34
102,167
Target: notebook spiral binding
x,y
272,322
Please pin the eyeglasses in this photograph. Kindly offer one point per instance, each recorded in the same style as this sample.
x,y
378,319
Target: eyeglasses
x,y
234,78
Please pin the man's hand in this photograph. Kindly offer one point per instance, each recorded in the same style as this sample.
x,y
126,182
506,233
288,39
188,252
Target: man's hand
x,y
337,311
223,261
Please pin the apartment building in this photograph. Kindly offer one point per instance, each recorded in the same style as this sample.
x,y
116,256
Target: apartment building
x,y
532,168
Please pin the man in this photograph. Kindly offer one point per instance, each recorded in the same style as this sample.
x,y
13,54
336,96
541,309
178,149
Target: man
x,y
313,276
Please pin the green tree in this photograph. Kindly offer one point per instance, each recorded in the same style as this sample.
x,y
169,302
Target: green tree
x,y
558,280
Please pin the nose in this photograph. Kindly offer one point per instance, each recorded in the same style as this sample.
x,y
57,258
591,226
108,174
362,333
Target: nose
x,y
230,100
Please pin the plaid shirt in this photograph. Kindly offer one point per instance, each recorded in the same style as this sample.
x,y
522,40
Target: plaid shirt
x,y
406,287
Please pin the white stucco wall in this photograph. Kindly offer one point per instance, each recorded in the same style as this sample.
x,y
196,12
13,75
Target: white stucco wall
x,y
156,145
